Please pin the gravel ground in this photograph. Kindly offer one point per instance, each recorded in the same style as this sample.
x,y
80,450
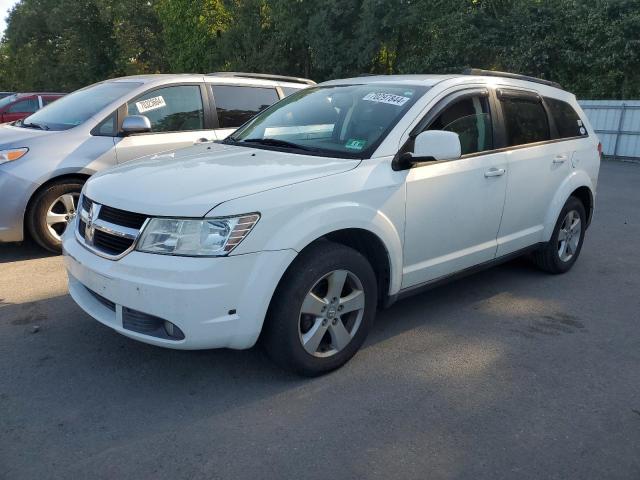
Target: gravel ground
x,y
510,373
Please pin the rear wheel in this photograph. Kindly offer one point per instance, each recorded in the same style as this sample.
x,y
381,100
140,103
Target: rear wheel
x,y
51,211
322,310
563,249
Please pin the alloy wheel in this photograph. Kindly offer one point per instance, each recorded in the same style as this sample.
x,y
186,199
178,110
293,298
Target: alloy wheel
x,y
331,313
60,212
569,235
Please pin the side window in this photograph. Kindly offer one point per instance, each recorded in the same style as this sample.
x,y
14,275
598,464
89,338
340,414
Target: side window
x,y
47,100
236,105
171,109
106,128
566,119
29,105
525,120
470,118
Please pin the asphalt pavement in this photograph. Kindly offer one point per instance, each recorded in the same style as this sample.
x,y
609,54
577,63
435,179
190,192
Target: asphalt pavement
x,y
507,374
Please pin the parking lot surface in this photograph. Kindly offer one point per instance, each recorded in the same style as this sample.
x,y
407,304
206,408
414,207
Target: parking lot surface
x,y
510,373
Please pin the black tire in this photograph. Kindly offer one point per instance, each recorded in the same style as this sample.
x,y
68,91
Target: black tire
x,y
282,333
548,257
36,218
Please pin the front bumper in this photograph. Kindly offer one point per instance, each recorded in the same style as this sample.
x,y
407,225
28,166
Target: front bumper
x,y
14,196
199,295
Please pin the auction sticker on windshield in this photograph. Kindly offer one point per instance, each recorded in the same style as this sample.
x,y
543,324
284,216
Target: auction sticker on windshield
x,y
150,104
389,98
355,144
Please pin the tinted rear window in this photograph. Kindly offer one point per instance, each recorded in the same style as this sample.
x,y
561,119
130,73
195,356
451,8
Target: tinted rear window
x,y
567,120
525,120
237,105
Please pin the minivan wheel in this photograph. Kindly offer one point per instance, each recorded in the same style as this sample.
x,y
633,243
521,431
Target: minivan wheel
x,y
322,309
52,209
562,251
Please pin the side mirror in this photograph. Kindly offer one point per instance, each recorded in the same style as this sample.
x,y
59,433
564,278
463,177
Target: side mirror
x,y
430,146
136,124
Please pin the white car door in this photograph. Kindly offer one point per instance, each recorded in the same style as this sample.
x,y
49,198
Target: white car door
x,y
180,116
453,208
537,167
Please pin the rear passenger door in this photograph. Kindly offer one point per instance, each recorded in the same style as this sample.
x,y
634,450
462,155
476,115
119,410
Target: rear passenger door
x,y
537,165
179,114
237,104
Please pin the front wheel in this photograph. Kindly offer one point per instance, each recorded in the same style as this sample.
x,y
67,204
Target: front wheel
x,y
322,309
51,211
563,249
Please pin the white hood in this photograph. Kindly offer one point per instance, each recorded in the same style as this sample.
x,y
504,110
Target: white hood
x,y
192,181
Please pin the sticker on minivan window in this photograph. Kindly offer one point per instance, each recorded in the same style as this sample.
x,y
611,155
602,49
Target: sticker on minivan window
x,y
389,98
355,144
150,104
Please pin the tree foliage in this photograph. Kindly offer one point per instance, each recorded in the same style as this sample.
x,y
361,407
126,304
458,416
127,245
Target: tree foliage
x,y
590,46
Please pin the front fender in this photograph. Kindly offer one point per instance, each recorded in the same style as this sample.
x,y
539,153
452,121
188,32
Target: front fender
x,y
577,179
310,225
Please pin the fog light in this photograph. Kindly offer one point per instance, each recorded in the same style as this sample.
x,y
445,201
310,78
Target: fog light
x,y
172,330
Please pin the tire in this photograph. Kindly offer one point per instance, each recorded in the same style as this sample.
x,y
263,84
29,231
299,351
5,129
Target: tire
x,y
290,334
56,201
551,257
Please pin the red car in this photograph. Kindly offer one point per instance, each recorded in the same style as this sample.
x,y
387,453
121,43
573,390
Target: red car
x,y
21,105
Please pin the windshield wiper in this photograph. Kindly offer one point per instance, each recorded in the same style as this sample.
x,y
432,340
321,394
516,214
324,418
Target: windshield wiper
x,y
35,125
274,142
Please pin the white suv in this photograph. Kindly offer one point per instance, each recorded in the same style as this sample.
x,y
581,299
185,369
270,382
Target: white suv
x,y
335,201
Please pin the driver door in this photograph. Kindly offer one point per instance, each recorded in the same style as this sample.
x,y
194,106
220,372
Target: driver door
x,y
180,117
454,208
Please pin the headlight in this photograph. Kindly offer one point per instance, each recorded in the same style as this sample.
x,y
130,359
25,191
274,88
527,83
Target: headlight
x,y
195,237
12,154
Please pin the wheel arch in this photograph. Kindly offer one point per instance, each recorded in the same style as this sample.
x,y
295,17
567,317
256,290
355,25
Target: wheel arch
x,y
577,184
83,177
372,248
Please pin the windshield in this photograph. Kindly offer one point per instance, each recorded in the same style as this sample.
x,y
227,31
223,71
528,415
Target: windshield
x,y
7,100
347,121
76,108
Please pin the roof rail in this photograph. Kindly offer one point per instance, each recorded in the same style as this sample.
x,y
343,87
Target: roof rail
x,y
264,76
516,76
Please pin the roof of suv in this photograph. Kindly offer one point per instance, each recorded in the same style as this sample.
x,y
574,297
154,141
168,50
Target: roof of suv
x,y
431,80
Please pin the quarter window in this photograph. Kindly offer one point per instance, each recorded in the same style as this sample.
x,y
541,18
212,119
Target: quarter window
x,y
236,105
525,120
567,121
107,127
24,106
171,109
470,118
289,91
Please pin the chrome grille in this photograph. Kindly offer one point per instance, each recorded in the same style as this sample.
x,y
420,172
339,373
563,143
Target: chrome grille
x,y
108,231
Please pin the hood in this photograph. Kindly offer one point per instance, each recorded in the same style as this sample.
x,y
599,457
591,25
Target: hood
x,y
15,137
192,181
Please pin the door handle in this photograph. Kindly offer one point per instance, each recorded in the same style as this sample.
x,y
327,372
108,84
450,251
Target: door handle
x,y
494,172
560,158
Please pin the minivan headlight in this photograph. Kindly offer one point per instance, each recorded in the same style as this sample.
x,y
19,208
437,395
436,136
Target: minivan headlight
x,y
195,237
12,154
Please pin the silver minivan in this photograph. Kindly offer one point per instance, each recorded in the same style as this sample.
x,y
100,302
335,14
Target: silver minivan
x,y
46,158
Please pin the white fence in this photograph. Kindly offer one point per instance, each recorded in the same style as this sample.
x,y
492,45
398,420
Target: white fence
x,y
617,123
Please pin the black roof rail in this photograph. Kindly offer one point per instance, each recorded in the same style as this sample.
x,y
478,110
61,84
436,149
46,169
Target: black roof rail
x,y
515,76
264,76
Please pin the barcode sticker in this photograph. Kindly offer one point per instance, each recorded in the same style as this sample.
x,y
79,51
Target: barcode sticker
x,y
389,98
150,104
